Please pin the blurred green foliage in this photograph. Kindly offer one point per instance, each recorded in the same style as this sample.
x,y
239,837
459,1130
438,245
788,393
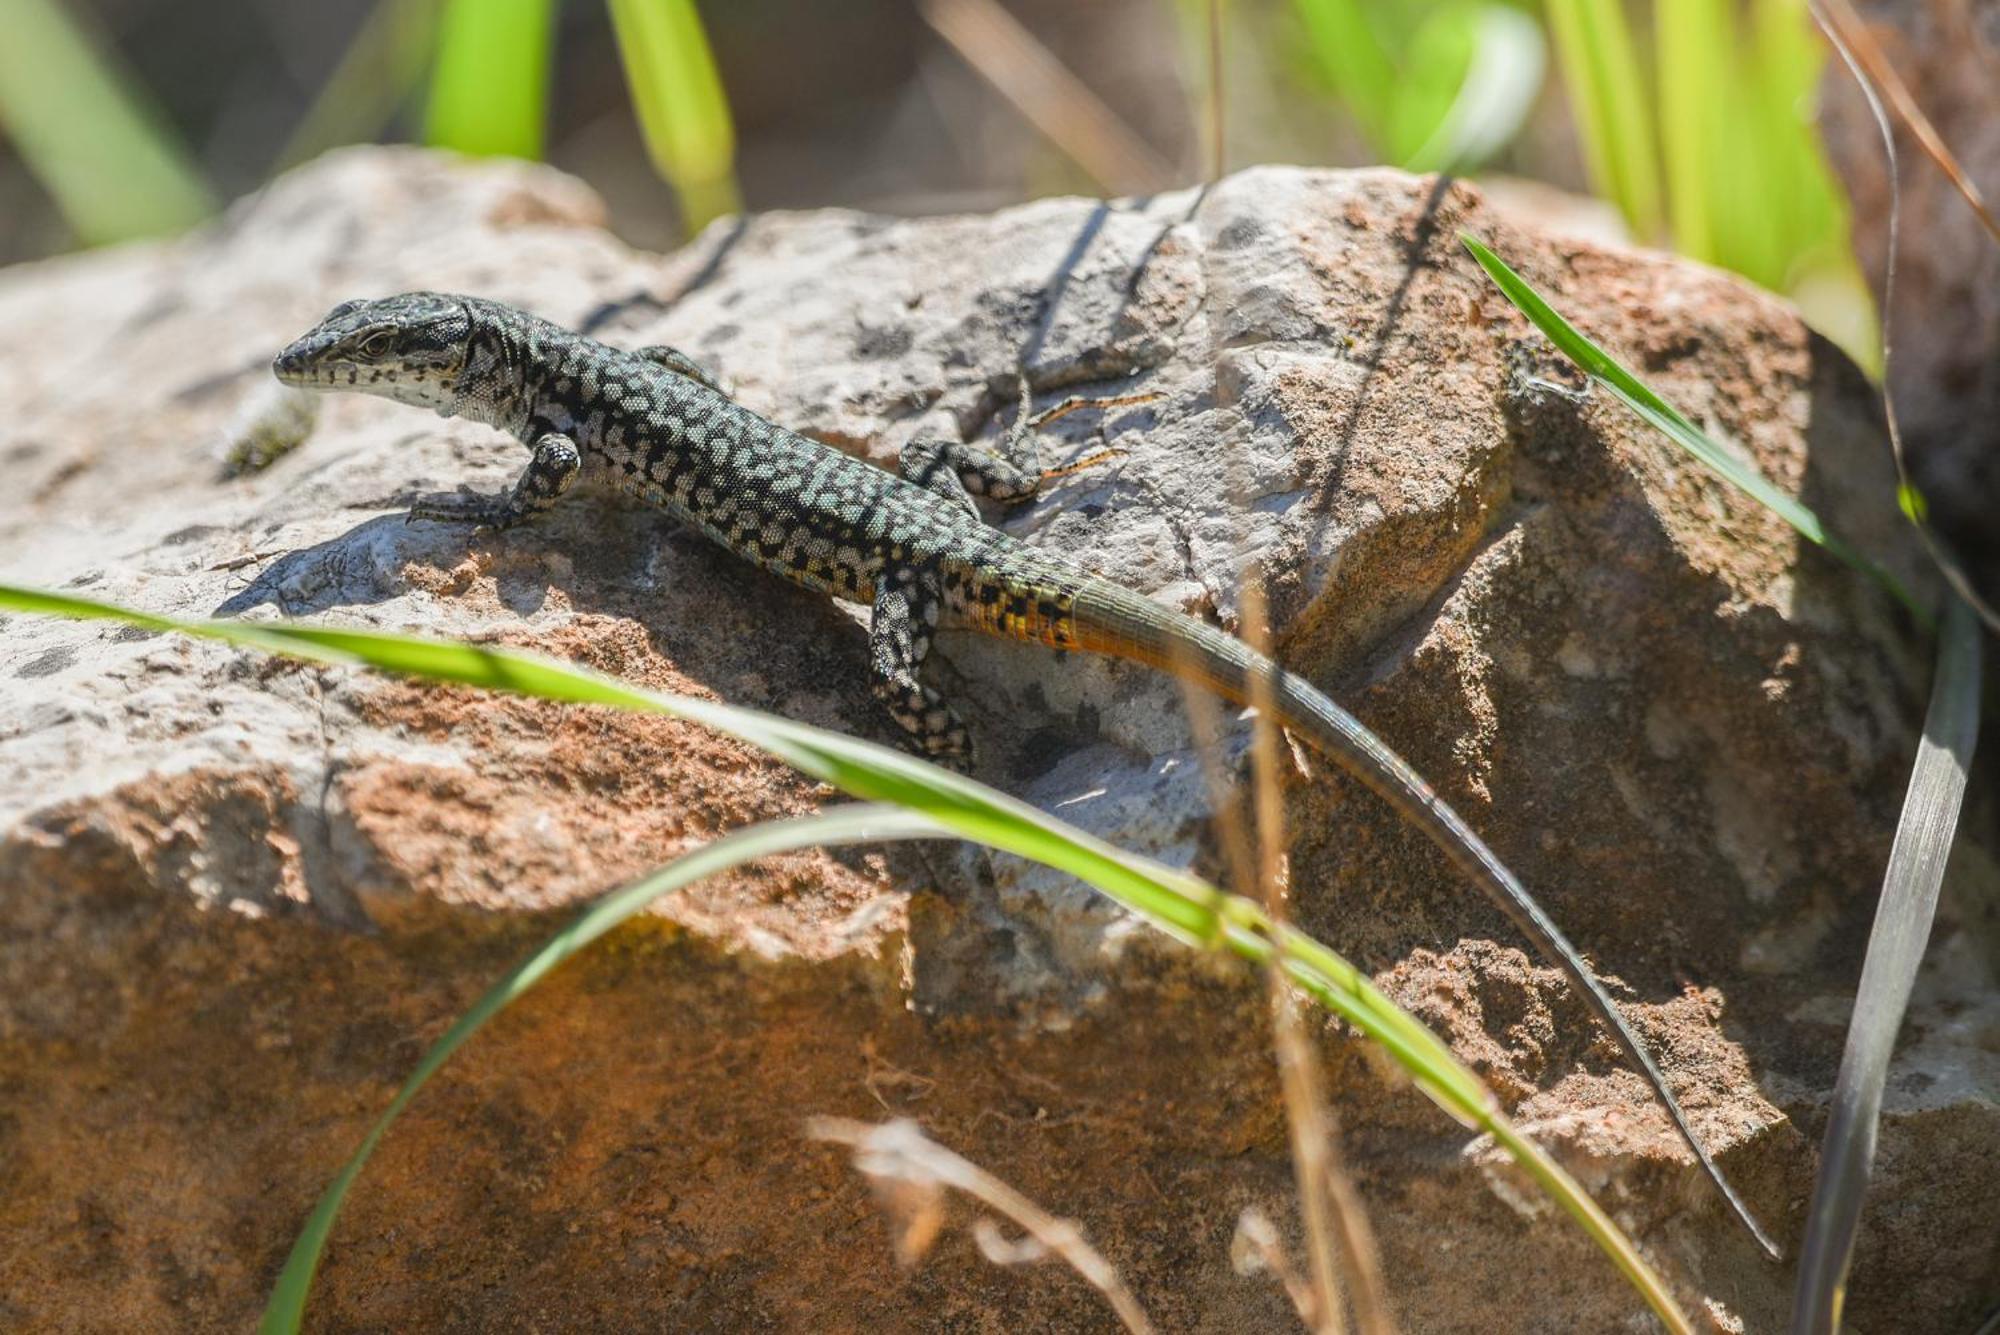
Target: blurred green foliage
x,y
80,125
382,66
1434,86
489,91
1700,130
683,111
1705,139
1740,165
490,85
117,172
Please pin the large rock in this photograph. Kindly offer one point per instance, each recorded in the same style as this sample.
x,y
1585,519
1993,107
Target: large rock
x,y
237,896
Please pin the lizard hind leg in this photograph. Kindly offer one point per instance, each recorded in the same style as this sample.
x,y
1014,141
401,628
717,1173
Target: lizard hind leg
x,y
958,472
680,364
906,611
1012,471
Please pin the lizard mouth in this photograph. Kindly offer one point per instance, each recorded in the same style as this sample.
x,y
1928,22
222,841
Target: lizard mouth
x,y
300,371
294,366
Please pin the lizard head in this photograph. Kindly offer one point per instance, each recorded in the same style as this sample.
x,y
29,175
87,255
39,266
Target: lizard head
x,y
412,348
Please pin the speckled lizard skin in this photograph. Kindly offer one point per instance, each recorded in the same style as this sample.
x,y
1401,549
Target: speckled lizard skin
x,y
913,547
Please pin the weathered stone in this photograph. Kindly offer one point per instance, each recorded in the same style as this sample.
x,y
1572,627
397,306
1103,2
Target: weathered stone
x,y
238,896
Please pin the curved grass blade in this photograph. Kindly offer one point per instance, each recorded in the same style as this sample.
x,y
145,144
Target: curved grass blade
x,y
1844,28
1895,949
683,112
111,166
1914,507
849,825
1175,902
1352,58
1603,368
490,90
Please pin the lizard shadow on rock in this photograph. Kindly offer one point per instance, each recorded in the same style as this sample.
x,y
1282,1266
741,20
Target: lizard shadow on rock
x,y
755,640
1059,281
596,322
347,570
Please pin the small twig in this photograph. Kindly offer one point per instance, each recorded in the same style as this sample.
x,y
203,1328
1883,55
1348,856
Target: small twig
x,y
1328,1195
909,1171
1298,1073
1056,102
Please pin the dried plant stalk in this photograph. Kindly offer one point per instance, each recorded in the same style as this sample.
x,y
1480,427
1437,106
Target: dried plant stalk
x,y
1056,102
910,1172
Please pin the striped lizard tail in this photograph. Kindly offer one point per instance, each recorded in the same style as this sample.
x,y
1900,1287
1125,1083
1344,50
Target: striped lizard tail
x,y
1113,620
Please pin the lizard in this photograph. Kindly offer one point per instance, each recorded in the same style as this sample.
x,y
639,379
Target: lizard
x,y
911,545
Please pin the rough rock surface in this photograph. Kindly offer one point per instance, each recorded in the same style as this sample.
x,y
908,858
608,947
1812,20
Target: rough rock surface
x,y
238,896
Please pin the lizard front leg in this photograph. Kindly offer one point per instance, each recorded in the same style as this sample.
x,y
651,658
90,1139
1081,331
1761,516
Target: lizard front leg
x,y
906,611
549,473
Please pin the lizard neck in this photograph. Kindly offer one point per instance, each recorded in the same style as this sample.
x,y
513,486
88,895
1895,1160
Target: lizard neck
x,y
502,383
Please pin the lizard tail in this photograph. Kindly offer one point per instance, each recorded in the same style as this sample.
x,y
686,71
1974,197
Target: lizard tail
x,y
1113,620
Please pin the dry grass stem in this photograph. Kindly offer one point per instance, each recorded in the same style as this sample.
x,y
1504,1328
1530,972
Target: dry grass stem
x,y
1845,28
1869,78
910,1173
1256,1248
1042,89
1239,861
1334,1217
1217,153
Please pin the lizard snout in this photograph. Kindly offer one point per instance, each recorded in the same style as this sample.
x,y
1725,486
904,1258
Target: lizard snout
x,y
290,365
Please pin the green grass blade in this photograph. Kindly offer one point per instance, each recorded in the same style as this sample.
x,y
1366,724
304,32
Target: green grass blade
x,y
1175,902
842,825
1699,129
1608,100
1350,55
114,169
1494,58
1895,949
1808,208
1784,66
1606,370
683,111
489,90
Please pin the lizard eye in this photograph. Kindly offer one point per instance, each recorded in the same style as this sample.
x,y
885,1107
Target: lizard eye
x,y
377,344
